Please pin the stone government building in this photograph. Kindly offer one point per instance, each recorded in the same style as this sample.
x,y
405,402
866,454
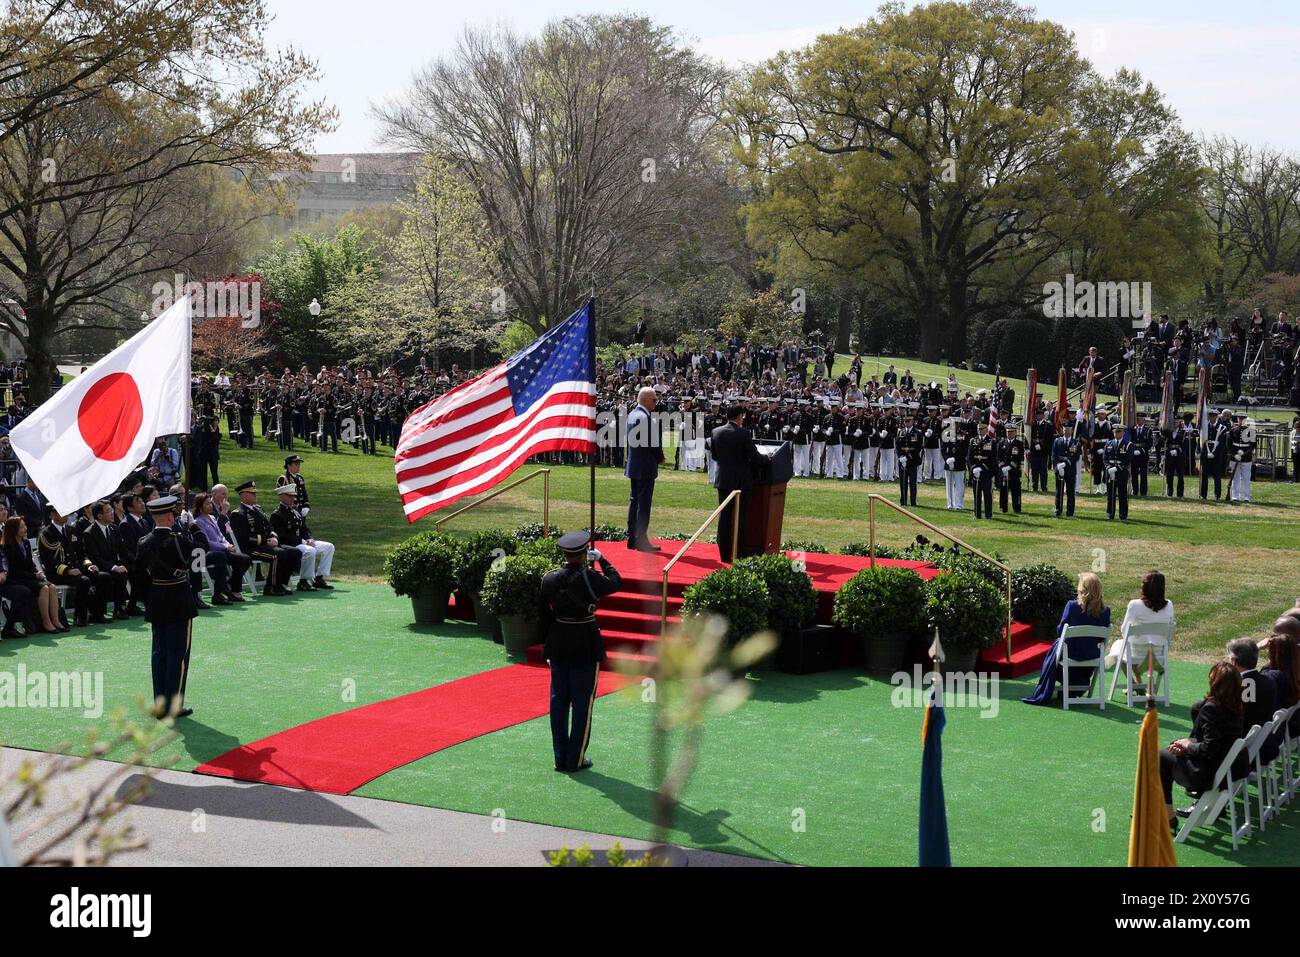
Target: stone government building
x,y
341,182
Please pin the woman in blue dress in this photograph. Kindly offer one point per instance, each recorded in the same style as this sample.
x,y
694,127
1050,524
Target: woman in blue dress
x,y
1086,609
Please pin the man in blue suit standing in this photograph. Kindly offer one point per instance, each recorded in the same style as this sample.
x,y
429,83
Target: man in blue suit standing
x,y
644,454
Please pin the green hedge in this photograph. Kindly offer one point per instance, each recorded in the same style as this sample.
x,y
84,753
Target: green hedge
x,y
424,563
885,600
736,593
792,598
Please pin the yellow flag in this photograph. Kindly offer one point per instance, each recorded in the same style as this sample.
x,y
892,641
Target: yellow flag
x,y
1149,841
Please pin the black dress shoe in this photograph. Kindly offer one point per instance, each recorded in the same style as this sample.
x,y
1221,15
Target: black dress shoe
x,y
134,611
320,582
10,631
221,600
631,545
647,547
584,765
200,604
184,712
275,591
120,615
1183,811
304,585
99,620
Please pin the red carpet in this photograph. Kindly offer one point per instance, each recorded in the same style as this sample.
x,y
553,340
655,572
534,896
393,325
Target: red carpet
x,y
340,753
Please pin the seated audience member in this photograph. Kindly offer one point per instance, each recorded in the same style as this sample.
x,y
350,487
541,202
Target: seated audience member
x,y
1284,664
1151,608
240,563
1258,693
109,564
65,563
218,549
1086,608
291,530
19,597
1193,761
22,568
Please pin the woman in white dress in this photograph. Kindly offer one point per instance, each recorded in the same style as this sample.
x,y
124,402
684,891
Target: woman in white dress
x,y
1152,607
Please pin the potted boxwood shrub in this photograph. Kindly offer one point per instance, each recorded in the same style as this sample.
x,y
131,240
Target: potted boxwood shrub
x,y
737,594
885,607
969,612
512,590
1038,596
791,596
478,553
425,567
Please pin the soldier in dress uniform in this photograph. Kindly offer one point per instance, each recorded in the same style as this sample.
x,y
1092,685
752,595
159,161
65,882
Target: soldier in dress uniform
x,y
1116,459
291,530
256,539
1178,455
1040,440
908,445
1242,438
983,462
956,450
1011,463
1142,438
1214,455
573,646
65,563
170,610
1066,450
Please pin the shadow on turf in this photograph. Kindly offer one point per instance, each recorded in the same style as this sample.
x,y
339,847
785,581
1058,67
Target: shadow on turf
x,y
253,802
705,829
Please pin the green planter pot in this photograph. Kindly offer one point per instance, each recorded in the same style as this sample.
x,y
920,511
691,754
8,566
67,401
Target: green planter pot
x,y
518,634
430,608
489,626
884,653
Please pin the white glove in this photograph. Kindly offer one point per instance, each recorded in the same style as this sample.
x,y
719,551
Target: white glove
x,y
1006,470
305,511
857,434
1112,472
902,460
951,463
976,471
816,429
594,555
796,428
1037,447
929,433
1060,469
1237,456
884,434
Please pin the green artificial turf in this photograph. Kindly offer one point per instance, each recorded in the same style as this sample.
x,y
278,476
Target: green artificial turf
x,y
817,769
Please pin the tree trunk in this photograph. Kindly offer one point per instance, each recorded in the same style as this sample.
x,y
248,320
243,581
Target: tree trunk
x,y
844,325
40,360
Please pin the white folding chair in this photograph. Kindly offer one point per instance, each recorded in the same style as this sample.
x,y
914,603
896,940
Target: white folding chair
x,y
1097,664
1290,755
1153,637
1260,774
1221,795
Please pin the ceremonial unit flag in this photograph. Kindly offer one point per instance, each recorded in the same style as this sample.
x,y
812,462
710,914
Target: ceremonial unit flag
x,y
1167,405
932,843
1203,403
1089,393
81,443
541,399
1128,401
1062,399
1149,841
1031,399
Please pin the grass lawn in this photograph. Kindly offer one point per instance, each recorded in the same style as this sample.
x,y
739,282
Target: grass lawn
x,y
817,769
1231,569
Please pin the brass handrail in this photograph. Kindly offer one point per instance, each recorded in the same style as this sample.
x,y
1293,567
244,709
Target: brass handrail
x,y
735,544
546,499
871,509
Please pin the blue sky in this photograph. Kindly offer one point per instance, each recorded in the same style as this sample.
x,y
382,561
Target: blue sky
x,y
1230,68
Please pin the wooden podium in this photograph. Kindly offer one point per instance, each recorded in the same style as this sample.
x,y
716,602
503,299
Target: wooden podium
x,y
764,504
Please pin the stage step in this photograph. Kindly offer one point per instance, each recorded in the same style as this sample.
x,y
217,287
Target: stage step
x,y
1027,653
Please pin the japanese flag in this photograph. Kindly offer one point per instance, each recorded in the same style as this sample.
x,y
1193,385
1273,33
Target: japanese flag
x,y
93,432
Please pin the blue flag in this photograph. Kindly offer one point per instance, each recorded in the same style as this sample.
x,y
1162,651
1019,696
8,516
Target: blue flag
x,y
933,832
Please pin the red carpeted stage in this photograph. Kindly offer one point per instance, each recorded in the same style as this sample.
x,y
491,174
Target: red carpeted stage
x,y
629,620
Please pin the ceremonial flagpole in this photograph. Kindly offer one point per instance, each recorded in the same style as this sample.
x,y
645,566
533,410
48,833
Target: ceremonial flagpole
x,y
591,456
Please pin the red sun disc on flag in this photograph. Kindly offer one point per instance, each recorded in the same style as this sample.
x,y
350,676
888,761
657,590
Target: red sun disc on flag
x,y
110,415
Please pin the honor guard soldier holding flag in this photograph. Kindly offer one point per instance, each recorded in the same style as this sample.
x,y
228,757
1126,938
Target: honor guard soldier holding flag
x,y
1066,450
1116,459
983,460
573,647
170,610
1011,463
908,445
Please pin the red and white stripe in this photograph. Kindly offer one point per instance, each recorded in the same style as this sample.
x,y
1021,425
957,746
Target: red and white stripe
x,y
468,440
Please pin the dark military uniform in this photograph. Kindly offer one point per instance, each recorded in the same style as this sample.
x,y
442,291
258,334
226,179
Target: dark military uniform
x,y
252,528
1142,439
1214,458
170,611
909,463
1011,456
983,456
1117,454
573,648
1065,463
61,555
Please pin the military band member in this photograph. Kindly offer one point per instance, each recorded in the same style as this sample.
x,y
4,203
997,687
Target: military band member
x,y
956,450
1142,437
1178,455
1117,457
291,530
573,646
170,611
983,462
256,538
1011,462
1214,455
908,446
1066,450
1242,439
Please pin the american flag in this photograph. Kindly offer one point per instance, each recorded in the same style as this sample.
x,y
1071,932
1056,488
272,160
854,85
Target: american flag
x,y
541,399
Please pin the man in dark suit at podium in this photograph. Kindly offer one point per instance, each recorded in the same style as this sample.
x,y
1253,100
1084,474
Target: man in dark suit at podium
x,y
644,455
736,456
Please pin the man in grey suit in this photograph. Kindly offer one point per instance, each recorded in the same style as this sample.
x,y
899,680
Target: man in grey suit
x,y
644,455
737,457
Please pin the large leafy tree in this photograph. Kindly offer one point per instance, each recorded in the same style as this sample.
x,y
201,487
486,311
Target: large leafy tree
x,y
942,154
